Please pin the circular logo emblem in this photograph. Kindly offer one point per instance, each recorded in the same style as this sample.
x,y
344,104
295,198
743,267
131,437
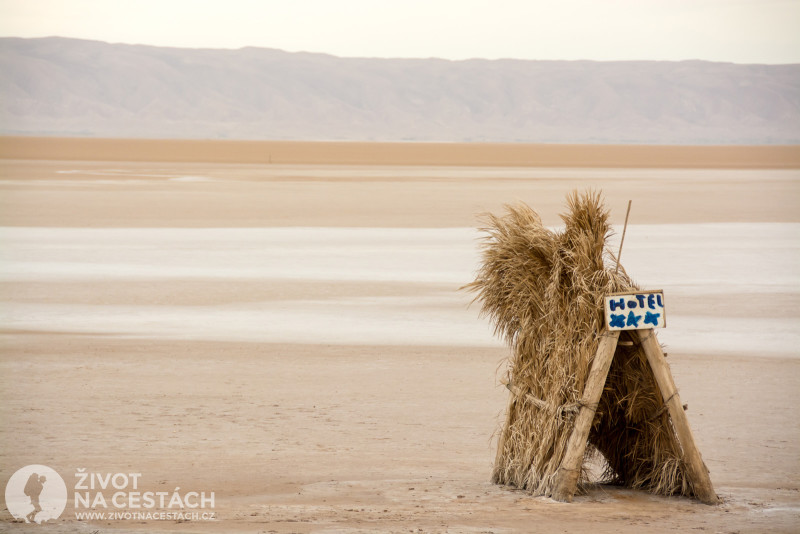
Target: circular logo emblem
x,y
35,494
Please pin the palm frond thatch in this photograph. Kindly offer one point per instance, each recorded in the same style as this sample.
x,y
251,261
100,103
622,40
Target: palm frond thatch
x,y
544,291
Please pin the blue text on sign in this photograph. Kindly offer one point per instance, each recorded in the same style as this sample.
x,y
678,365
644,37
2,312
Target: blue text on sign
x,y
635,311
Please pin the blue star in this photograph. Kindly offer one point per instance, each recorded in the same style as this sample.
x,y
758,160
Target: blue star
x,y
651,318
617,321
633,320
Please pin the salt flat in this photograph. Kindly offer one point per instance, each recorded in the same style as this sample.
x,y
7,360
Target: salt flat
x,y
294,338
745,264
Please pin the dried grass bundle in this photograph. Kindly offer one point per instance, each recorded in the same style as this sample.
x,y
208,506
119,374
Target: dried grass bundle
x,y
544,291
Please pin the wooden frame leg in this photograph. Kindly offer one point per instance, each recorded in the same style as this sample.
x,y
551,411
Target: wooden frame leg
x,y
696,470
569,471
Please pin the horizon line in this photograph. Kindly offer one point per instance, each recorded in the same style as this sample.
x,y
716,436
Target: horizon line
x,y
399,58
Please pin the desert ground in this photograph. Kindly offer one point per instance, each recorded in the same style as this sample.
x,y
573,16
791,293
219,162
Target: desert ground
x,y
291,336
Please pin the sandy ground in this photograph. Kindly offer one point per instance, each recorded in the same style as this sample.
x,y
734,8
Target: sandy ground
x,y
292,338
210,195
406,153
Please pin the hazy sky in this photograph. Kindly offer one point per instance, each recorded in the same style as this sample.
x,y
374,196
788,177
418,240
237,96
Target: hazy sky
x,y
741,31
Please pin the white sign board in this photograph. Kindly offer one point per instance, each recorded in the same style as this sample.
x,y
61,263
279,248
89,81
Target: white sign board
x,y
635,311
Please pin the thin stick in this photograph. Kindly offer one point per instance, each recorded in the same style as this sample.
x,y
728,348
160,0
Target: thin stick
x,y
624,229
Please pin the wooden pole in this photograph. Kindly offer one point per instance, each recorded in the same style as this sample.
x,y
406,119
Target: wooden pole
x,y
696,470
621,241
569,471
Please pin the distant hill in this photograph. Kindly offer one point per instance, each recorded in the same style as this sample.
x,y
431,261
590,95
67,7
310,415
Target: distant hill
x,y
57,86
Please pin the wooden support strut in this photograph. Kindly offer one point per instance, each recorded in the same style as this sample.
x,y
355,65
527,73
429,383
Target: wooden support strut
x,y
566,482
696,470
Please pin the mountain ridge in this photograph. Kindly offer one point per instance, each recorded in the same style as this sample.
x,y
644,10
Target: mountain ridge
x,y
58,86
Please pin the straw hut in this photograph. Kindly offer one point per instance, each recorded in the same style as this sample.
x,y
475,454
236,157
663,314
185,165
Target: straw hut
x,y
544,292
